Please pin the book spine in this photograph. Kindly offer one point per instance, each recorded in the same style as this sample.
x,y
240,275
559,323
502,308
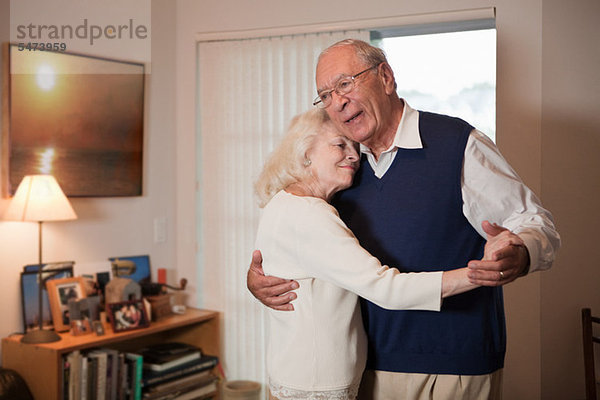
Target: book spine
x,y
92,386
115,375
108,376
136,373
83,379
122,389
74,372
210,363
66,372
101,376
179,386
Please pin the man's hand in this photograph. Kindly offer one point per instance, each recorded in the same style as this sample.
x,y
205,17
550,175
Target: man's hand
x,y
505,258
271,291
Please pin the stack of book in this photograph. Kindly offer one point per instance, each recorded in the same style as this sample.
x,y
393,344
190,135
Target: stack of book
x,y
177,371
102,374
167,371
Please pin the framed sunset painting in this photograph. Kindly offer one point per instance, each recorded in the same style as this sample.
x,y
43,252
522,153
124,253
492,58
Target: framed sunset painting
x,y
77,117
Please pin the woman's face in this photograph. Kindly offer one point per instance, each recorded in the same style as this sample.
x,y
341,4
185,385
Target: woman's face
x,y
334,161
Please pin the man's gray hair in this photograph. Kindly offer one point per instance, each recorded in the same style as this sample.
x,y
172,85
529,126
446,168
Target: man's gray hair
x,y
370,55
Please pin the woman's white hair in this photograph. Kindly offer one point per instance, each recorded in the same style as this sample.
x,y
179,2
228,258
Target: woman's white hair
x,y
288,163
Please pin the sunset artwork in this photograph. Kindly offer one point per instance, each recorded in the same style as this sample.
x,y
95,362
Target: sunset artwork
x,y
79,118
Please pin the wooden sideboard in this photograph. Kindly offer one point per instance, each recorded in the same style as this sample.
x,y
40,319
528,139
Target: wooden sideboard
x,y
41,364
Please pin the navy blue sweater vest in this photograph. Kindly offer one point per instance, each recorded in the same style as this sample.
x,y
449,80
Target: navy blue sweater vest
x,y
412,219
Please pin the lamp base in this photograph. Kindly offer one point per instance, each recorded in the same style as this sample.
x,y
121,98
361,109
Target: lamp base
x,y
40,336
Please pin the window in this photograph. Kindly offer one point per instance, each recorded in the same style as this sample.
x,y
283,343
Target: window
x,y
451,73
248,90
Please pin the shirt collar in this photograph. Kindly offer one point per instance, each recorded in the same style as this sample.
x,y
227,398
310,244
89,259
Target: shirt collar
x,y
407,135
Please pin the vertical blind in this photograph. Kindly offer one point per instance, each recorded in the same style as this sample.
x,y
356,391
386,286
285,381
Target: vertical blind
x,y
248,91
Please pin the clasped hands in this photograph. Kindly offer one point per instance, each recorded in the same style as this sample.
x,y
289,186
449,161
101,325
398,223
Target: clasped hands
x,y
505,259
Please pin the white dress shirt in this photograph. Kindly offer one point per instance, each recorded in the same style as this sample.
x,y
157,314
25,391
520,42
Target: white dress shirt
x,y
491,190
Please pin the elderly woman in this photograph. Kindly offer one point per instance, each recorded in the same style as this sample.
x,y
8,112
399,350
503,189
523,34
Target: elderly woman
x,y
319,350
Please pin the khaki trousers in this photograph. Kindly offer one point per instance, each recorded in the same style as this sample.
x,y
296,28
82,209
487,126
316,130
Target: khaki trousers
x,y
383,385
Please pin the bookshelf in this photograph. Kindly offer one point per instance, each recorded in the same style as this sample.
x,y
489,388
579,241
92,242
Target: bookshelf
x,y
41,364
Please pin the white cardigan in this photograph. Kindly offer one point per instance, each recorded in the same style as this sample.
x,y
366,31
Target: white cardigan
x,y
321,345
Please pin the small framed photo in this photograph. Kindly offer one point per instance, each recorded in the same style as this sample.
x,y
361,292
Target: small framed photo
x,y
60,291
127,315
30,289
80,327
87,308
141,273
98,328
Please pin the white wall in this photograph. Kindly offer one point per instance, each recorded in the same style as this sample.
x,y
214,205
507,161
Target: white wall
x,y
540,317
571,186
108,226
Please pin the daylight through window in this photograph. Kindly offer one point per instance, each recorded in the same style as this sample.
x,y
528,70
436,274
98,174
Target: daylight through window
x,y
450,73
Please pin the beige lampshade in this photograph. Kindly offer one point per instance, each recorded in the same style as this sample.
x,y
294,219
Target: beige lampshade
x,y
39,198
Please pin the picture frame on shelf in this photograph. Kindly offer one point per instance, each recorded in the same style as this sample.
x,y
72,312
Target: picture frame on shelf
x,y
80,327
142,273
51,266
29,292
98,328
60,291
127,315
85,308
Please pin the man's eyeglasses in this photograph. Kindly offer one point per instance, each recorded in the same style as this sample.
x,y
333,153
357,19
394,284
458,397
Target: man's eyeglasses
x,y
343,86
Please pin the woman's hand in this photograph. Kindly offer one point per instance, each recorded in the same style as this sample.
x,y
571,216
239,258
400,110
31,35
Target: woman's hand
x,y
456,281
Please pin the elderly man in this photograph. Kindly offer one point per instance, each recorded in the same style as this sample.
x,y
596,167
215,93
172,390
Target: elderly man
x,y
427,186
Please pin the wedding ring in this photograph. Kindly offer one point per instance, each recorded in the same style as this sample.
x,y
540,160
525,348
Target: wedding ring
x,y
501,275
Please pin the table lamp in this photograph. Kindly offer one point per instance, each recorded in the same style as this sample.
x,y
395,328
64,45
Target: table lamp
x,y
39,198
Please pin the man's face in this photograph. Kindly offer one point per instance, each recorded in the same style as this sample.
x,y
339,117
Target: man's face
x,y
359,114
